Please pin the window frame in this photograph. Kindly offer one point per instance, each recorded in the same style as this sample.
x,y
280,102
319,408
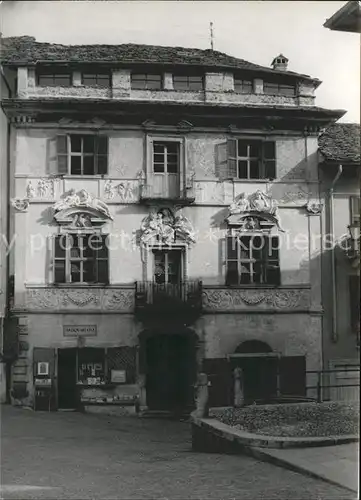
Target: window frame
x,y
187,78
146,80
166,154
262,158
280,88
69,154
355,209
150,139
264,263
241,82
106,75
67,260
52,75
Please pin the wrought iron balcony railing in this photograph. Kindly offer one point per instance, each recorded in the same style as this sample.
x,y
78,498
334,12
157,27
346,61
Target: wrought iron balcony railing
x,y
168,297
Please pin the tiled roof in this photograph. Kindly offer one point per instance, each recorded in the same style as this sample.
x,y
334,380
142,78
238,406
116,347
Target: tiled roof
x,y
26,50
341,143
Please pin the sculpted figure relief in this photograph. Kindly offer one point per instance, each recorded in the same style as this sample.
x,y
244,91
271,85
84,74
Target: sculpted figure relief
x,y
82,199
164,228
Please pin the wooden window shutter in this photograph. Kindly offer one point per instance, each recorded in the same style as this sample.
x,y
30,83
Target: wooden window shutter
x,y
62,154
102,261
269,159
101,151
355,209
221,165
232,276
59,258
231,158
354,289
272,259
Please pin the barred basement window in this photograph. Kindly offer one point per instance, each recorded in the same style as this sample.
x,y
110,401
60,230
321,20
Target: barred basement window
x,y
79,155
146,81
188,82
80,258
251,159
253,259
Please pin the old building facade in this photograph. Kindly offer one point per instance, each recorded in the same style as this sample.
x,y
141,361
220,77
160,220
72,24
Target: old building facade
x,y
163,203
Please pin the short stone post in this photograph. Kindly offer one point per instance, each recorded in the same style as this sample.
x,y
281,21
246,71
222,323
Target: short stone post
x,y
238,388
202,395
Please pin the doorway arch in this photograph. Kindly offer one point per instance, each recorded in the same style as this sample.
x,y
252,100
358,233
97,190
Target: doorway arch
x,y
259,365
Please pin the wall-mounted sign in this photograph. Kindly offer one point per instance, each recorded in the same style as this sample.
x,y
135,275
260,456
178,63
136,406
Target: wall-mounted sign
x,y
118,376
43,382
79,330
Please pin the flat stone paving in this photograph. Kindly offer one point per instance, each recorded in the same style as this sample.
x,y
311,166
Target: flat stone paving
x,y
76,456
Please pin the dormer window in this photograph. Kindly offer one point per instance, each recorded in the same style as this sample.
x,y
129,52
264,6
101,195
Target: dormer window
x,y
188,82
96,79
146,81
54,77
275,88
243,86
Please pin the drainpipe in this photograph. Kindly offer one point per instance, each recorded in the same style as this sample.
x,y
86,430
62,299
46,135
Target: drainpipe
x,y
333,257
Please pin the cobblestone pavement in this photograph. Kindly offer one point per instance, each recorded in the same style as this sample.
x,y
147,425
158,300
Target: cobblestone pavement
x,y
77,456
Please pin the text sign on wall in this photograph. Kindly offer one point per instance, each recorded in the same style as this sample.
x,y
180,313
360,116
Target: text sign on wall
x,y
79,330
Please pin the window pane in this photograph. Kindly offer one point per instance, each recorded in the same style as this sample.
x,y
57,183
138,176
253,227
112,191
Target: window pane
x,y
172,147
89,80
232,273
88,144
102,164
76,165
158,158
245,277
60,246
257,272
288,90
172,168
255,149
158,147
59,271
244,246
158,168
242,169
254,169
243,148
102,271
232,245
102,247
62,80
75,141
103,145
88,165
269,150
45,81
103,80
88,271
75,272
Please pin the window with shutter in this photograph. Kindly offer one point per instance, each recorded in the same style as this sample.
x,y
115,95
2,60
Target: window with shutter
x,y
251,159
253,259
355,209
78,155
80,258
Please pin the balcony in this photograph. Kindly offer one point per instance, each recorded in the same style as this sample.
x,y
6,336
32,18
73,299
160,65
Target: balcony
x,y
167,299
163,188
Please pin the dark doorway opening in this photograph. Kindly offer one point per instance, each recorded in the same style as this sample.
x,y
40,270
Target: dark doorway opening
x,y
170,371
67,378
260,370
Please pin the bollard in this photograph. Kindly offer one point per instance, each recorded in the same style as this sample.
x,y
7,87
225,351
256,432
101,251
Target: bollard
x,y
202,395
238,388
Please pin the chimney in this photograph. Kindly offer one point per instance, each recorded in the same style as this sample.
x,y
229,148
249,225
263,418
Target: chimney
x,y
280,63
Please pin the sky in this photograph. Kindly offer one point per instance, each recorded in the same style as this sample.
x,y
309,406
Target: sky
x,y
253,30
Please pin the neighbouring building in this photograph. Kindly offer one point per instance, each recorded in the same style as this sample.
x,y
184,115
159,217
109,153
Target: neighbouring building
x,y
163,203
339,150
347,19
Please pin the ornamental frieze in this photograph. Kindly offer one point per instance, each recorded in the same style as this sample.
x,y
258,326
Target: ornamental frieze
x,y
109,299
241,299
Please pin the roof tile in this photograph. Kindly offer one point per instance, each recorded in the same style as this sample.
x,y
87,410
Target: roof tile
x,y
341,143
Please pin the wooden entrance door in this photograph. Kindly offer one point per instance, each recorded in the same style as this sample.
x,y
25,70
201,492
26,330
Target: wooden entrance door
x,y
67,378
170,361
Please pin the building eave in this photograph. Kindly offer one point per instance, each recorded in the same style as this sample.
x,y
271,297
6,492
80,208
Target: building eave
x,y
348,18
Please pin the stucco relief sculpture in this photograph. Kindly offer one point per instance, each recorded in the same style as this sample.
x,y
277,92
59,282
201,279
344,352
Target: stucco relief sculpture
x,y
82,199
252,207
241,299
30,190
44,188
124,190
20,204
164,228
313,208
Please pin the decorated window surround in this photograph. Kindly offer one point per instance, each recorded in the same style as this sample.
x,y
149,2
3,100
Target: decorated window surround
x,y
148,260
